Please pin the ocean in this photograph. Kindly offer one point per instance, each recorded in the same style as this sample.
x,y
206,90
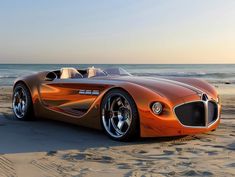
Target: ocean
x,y
214,73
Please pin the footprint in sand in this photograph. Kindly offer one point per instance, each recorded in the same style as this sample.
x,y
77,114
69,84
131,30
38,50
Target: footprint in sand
x,y
137,151
218,146
232,165
88,156
166,152
231,146
178,149
184,164
51,153
212,152
77,156
124,166
196,173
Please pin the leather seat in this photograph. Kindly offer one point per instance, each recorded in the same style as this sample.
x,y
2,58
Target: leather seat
x,y
91,72
70,73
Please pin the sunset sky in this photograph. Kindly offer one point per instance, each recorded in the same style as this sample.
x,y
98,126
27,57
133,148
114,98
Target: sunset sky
x,y
117,31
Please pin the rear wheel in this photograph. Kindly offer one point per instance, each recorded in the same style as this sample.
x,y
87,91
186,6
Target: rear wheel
x,y
22,102
120,116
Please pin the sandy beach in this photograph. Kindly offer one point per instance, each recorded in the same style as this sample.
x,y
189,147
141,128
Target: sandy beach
x,y
48,148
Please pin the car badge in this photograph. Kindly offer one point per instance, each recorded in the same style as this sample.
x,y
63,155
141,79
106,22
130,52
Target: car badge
x,y
204,97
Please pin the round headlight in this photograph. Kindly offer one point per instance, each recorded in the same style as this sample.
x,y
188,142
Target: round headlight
x,y
157,108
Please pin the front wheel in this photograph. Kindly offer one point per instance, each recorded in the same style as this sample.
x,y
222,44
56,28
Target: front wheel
x,y
22,102
120,116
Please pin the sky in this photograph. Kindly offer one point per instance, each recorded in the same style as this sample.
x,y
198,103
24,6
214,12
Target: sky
x,y
117,31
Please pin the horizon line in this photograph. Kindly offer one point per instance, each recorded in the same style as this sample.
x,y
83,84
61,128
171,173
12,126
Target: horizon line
x,y
116,63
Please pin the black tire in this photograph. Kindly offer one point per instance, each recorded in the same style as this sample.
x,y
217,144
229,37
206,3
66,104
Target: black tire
x,y
133,131
28,108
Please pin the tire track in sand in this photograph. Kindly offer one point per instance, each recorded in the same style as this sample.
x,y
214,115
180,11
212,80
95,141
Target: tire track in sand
x,y
7,168
51,168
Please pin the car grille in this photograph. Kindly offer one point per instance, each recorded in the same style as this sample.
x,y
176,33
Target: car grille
x,y
212,111
197,113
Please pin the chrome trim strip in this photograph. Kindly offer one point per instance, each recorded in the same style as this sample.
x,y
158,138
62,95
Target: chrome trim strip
x,y
89,92
95,92
206,114
82,92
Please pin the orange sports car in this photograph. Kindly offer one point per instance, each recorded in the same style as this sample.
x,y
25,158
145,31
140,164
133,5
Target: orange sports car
x,y
124,106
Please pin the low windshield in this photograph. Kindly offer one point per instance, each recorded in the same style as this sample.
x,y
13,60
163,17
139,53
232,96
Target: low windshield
x,y
117,71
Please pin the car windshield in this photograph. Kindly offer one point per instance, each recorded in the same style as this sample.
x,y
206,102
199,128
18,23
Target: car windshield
x,y
116,71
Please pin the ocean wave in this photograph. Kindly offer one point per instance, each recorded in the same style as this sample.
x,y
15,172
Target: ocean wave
x,y
8,77
13,74
188,74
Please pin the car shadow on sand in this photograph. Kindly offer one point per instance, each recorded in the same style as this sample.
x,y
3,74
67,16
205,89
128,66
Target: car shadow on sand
x,y
46,135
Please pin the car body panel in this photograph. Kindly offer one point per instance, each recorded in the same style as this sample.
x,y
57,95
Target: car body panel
x,y
60,100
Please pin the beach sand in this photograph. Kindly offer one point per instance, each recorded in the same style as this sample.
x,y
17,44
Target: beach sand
x,y
48,148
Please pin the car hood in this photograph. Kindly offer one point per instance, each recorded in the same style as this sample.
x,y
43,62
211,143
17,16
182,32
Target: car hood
x,y
164,87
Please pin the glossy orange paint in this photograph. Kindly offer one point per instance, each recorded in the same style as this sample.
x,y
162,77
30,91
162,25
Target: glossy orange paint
x,y
60,100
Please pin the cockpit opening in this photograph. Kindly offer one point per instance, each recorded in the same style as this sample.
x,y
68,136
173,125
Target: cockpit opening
x,y
90,72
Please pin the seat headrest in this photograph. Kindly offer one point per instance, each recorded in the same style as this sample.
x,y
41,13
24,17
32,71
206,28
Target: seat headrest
x,y
91,72
70,73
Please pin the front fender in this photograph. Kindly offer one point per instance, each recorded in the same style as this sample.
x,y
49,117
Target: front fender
x,y
143,98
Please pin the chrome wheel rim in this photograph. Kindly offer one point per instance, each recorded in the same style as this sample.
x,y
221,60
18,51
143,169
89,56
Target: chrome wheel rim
x,y
19,103
117,115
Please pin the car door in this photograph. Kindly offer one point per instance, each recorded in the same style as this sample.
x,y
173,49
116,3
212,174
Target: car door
x,y
70,96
